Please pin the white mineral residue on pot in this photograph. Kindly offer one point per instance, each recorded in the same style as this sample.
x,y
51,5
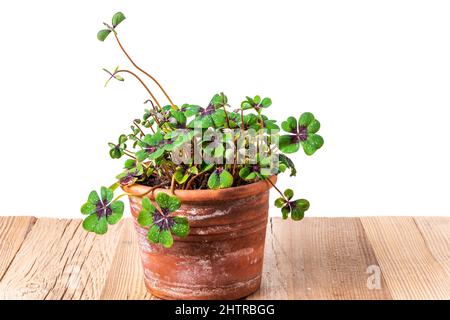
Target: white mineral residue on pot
x,y
213,230
217,213
236,254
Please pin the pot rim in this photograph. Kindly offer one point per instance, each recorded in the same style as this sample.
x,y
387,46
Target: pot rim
x,y
233,193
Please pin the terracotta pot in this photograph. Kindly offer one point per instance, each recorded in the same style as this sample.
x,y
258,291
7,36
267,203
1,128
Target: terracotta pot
x,y
222,257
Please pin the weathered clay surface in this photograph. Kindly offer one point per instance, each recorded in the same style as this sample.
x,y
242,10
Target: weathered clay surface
x,y
222,257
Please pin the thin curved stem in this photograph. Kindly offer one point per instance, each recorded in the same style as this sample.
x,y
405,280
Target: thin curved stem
x,y
142,82
143,71
276,188
146,88
120,196
137,126
153,189
226,116
129,154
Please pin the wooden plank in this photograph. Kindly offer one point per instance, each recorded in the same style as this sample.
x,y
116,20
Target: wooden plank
x,y
59,260
318,258
410,269
13,231
436,232
126,277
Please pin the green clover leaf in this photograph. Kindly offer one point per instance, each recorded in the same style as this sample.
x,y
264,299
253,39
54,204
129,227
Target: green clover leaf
x,y
302,133
183,172
219,100
103,34
286,163
220,179
117,150
93,223
153,233
296,208
166,202
117,18
165,238
256,103
181,227
261,169
153,147
101,211
134,170
189,109
204,117
161,222
117,208
145,217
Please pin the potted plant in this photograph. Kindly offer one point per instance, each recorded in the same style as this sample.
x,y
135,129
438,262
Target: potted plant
x,y
198,181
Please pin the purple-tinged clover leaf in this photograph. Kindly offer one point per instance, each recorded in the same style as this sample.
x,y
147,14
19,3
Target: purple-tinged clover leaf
x,y
183,172
101,211
161,222
286,163
296,208
208,117
220,179
253,171
153,146
133,171
117,150
303,133
256,103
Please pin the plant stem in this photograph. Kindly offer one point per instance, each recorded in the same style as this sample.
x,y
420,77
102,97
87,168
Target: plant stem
x,y
152,189
120,196
226,116
113,186
188,185
276,188
146,88
195,177
172,184
234,161
143,83
143,71
129,154
137,126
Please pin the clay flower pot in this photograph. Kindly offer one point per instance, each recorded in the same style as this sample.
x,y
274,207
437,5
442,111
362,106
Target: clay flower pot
x,y
222,257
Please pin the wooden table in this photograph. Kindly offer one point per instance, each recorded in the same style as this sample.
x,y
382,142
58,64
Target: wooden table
x,y
318,258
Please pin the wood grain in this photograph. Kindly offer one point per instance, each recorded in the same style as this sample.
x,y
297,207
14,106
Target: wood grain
x,y
59,260
410,269
13,231
436,232
319,258
126,277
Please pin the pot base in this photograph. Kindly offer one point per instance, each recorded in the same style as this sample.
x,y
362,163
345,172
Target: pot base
x,y
232,292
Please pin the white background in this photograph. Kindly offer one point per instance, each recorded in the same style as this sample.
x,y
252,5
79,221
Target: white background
x,y
375,73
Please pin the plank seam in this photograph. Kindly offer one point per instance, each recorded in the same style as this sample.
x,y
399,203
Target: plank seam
x,y
370,247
